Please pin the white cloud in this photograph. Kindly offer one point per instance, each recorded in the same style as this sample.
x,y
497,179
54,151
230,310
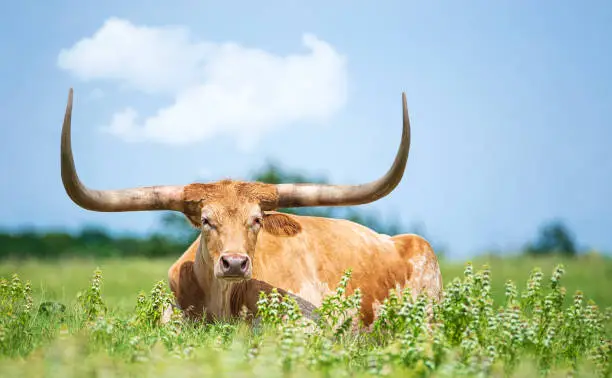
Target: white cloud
x,y
217,87
96,94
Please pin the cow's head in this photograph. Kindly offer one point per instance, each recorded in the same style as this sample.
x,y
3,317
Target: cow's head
x,y
230,214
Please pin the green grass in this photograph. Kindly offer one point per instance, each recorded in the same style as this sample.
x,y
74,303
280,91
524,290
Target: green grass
x,y
111,330
124,278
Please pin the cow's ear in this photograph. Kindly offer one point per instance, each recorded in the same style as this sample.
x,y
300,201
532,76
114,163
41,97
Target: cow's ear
x,y
279,224
194,220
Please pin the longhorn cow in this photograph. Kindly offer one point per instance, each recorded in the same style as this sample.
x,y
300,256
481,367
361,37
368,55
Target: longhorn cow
x,y
244,246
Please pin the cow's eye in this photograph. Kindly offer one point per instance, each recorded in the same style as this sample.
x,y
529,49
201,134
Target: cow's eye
x,y
206,222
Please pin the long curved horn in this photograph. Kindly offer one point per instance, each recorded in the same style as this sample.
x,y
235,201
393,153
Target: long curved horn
x,y
135,199
303,195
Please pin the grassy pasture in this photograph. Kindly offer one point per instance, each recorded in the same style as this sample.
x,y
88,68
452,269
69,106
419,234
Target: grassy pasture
x,y
124,278
126,341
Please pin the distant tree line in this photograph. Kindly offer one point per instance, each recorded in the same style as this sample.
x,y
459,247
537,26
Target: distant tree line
x,y
91,241
175,233
554,237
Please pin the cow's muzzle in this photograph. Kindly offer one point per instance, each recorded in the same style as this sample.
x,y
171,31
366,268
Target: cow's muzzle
x,y
234,266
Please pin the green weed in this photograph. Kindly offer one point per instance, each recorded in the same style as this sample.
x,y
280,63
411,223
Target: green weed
x,y
534,331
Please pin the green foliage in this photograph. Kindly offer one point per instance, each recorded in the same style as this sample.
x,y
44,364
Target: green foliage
x,y
90,302
15,316
90,242
531,333
554,237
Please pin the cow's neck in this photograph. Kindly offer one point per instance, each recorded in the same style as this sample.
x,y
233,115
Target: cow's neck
x,y
222,299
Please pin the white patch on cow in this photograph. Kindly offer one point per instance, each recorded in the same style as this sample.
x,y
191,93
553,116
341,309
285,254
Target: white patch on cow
x,y
426,275
314,292
311,288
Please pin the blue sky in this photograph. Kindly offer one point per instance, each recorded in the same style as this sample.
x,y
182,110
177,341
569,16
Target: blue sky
x,y
510,104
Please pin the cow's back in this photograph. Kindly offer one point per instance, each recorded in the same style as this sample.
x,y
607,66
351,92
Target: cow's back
x,y
311,262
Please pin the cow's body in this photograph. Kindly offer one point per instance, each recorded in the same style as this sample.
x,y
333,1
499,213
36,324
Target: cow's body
x,y
245,246
309,263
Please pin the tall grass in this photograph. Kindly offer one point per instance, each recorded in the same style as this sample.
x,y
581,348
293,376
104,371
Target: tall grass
x,y
539,330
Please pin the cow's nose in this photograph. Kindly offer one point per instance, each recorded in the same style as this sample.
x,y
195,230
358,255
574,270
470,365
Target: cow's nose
x,y
234,264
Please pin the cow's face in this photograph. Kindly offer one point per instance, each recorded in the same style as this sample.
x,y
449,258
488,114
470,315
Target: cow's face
x,y
229,236
230,217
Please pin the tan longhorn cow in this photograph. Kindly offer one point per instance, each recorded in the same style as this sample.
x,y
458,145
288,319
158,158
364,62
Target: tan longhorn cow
x,y
245,246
